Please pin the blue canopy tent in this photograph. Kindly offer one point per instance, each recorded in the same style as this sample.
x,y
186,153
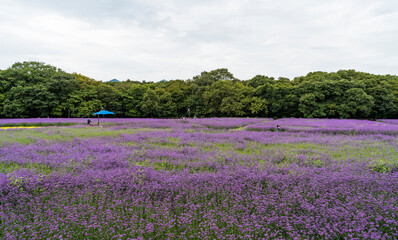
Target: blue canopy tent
x,y
102,112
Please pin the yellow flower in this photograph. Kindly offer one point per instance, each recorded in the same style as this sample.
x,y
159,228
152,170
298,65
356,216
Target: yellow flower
x,y
18,127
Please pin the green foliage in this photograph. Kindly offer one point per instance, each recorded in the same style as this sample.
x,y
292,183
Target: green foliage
x,y
357,104
180,93
110,97
225,98
310,105
150,104
132,100
34,89
381,168
208,78
335,95
27,101
258,106
385,102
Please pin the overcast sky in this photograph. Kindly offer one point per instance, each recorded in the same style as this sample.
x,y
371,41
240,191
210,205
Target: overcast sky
x,y
178,39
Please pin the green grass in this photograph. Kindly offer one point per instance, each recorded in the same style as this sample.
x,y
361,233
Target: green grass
x,y
39,168
28,136
9,167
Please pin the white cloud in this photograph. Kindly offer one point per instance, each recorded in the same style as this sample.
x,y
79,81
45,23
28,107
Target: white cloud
x,y
155,39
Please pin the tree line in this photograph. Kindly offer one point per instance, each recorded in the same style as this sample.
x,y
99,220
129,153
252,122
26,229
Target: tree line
x,y
35,89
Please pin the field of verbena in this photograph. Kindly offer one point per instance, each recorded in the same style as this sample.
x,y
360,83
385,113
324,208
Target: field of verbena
x,y
199,179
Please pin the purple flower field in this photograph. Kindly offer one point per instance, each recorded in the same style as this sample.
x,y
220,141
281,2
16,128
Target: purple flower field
x,y
199,179
391,121
330,126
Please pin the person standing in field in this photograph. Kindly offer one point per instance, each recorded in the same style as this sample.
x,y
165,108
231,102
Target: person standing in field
x,y
88,121
278,128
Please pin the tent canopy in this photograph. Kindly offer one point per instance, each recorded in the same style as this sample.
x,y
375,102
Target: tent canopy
x,y
103,112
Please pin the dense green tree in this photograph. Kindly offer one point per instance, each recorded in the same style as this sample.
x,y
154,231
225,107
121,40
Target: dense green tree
x,y
311,105
61,85
167,107
358,104
151,104
225,98
281,97
180,93
132,100
83,101
195,100
35,89
110,98
385,102
258,107
2,97
333,96
28,101
208,78
198,85
259,81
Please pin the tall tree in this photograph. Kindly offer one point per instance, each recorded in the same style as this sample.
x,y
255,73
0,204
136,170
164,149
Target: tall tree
x,y
358,104
151,104
132,100
179,92
34,89
226,98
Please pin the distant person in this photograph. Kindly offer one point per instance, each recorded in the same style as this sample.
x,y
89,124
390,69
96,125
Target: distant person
x,y
278,128
88,121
